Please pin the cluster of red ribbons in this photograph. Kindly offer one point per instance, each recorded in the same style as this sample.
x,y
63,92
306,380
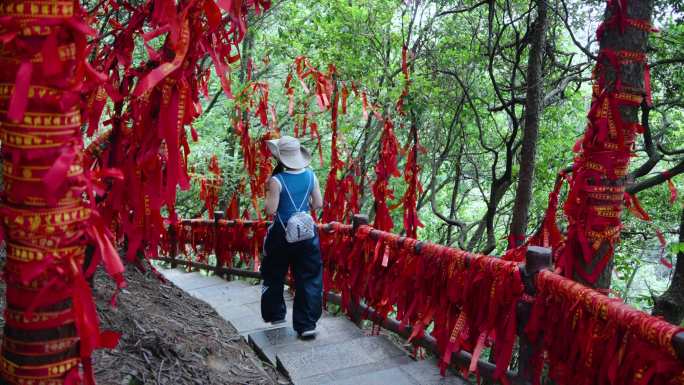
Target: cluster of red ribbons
x,y
323,84
232,210
341,190
401,102
413,188
590,339
469,299
51,322
48,90
412,168
597,190
593,206
257,158
156,101
548,235
254,99
341,198
585,337
385,169
334,202
470,302
198,238
210,187
97,150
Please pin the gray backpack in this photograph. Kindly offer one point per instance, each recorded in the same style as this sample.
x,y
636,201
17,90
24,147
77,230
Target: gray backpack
x,y
300,226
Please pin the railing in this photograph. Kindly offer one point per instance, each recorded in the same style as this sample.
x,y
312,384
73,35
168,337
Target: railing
x,y
471,301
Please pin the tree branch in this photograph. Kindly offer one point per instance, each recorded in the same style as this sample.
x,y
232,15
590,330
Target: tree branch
x,y
674,60
461,10
653,155
656,179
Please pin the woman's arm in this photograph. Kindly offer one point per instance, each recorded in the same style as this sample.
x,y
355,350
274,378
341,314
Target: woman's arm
x,y
272,196
316,197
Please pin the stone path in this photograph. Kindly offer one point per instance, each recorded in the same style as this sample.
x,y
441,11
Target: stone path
x,y
342,354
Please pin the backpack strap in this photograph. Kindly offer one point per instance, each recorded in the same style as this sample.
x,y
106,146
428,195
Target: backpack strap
x,y
306,196
284,185
309,189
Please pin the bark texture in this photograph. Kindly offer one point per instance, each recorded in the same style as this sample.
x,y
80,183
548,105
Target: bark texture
x,y
533,109
670,305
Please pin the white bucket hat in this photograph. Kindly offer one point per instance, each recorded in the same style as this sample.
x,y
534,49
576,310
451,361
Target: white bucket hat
x,y
289,152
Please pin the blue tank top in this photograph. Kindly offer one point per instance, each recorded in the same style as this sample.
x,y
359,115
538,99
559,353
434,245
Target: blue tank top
x,y
299,187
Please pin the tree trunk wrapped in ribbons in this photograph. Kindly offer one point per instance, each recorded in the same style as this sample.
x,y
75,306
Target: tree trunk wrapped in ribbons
x,y
597,184
47,206
47,91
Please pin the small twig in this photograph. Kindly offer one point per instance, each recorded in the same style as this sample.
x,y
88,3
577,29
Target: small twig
x,y
161,365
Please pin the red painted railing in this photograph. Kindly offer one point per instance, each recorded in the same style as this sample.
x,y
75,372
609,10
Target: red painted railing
x,y
468,302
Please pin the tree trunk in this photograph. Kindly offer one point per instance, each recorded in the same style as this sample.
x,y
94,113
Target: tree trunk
x,y
533,109
51,325
246,57
595,201
670,305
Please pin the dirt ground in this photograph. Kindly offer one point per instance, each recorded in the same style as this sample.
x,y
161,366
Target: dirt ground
x,y
168,337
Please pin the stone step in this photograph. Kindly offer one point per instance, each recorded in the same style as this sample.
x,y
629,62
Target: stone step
x,y
400,370
340,355
426,372
331,330
312,364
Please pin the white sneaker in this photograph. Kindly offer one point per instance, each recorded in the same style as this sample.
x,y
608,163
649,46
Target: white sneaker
x,y
278,322
309,334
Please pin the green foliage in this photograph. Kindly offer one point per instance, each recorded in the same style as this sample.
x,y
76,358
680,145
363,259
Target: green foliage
x,y
675,247
456,98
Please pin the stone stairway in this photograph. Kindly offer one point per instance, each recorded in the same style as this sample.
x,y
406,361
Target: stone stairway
x,y
341,354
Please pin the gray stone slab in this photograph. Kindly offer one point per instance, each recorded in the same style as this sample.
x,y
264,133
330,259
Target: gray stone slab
x,y
339,324
249,323
331,358
316,380
253,323
387,363
170,272
226,295
208,289
427,372
177,276
269,343
256,305
193,281
233,312
393,376
220,292
293,344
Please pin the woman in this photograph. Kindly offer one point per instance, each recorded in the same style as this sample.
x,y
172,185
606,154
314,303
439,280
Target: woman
x,y
292,191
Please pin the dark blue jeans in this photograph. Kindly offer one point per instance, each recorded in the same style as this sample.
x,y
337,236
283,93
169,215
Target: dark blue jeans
x,y
307,268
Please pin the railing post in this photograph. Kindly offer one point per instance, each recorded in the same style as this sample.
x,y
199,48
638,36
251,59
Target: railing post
x,y
678,344
358,220
173,246
536,260
218,215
